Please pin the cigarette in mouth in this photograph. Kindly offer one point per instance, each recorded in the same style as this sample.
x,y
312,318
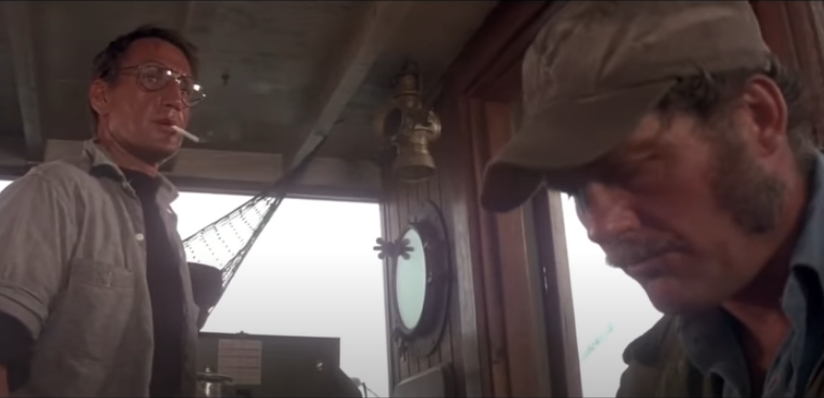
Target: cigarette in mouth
x,y
186,134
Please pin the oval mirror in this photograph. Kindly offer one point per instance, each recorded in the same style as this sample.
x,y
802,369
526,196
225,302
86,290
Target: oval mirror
x,y
410,281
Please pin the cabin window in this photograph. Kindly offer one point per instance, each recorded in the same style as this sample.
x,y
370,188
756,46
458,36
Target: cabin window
x,y
312,272
611,309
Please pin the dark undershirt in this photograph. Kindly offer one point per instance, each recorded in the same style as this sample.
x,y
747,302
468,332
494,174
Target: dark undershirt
x,y
164,282
16,344
163,279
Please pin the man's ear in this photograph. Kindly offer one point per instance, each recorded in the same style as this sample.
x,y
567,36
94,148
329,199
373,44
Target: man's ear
x,y
767,113
99,97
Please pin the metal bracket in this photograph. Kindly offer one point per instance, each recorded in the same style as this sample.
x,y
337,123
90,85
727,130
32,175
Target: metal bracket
x,y
392,250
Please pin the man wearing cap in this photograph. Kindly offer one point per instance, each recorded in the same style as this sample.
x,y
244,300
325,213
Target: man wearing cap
x,y
689,152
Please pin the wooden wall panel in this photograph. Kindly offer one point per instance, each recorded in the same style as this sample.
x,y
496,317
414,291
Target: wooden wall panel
x,y
389,218
794,30
400,201
491,330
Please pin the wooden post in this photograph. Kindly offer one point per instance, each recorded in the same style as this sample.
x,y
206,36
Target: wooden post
x,y
794,30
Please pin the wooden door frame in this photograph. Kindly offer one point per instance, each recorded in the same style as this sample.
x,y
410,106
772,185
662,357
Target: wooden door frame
x,y
505,343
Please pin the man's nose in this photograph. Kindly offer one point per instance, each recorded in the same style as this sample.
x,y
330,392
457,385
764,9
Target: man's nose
x,y
173,96
606,213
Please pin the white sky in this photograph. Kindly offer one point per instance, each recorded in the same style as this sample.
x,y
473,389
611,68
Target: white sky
x,y
602,296
313,272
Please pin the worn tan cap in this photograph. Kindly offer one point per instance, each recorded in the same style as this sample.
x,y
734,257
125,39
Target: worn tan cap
x,y
596,68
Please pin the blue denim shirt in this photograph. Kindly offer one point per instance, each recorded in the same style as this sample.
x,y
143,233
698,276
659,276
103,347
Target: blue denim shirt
x,y
711,342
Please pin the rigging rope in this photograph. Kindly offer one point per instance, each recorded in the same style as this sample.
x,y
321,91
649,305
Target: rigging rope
x,y
224,243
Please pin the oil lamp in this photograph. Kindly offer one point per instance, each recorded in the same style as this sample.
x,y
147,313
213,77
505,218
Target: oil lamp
x,y
415,128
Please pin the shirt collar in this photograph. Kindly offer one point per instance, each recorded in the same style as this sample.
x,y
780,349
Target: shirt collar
x,y
710,343
100,160
809,250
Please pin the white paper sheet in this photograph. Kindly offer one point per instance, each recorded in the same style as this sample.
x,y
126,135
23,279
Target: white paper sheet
x,y
240,360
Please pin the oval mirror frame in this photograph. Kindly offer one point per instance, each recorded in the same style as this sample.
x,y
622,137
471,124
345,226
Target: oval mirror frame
x,y
423,337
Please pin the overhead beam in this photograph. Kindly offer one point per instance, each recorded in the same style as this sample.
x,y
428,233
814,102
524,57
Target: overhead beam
x,y
346,74
18,23
248,173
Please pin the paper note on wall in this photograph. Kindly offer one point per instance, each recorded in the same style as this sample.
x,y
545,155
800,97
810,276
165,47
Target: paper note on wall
x,y
240,360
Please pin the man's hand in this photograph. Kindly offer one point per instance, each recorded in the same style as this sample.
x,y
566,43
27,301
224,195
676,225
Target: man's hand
x,y
4,383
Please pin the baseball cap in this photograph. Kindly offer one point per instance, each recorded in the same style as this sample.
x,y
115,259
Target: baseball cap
x,y
597,67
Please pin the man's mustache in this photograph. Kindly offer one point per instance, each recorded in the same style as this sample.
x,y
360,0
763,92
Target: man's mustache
x,y
628,250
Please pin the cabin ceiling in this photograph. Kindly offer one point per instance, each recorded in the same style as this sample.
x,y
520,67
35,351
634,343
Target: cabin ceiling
x,y
266,66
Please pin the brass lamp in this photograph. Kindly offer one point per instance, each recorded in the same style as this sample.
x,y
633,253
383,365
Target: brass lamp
x,y
418,127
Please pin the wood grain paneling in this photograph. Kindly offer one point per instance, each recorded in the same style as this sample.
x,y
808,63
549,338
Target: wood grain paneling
x,y
400,201
794,30
561,337
492,324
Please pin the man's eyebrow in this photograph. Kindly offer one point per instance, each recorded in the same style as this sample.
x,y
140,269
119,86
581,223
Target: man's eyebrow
x,y
159,63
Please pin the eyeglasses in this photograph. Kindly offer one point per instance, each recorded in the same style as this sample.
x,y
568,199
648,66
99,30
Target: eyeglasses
x,y
153,77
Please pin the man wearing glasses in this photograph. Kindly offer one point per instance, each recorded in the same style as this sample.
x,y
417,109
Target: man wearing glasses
x,y
95,295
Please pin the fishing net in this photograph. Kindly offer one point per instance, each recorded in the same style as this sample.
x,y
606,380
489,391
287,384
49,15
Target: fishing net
x,y
224,243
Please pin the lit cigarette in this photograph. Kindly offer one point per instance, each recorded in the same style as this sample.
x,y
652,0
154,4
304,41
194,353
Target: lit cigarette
x,y
186,134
